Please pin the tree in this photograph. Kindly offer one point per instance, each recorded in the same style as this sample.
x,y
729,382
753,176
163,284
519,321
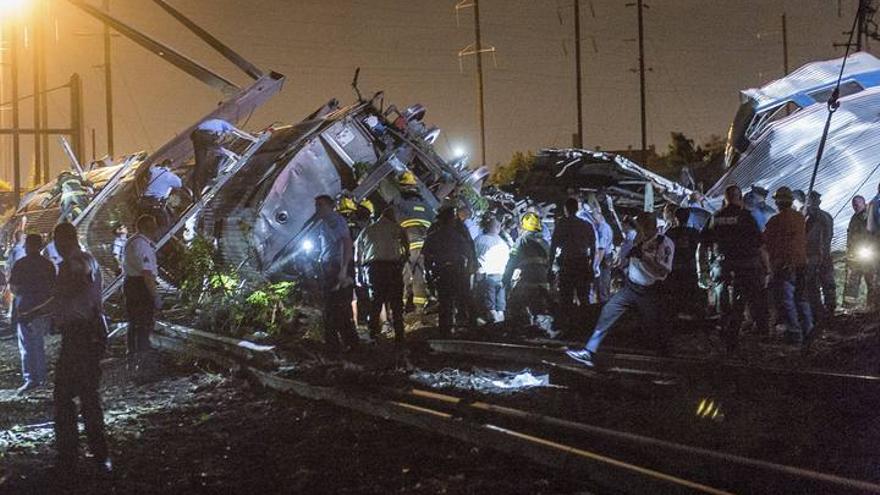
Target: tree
x,y
518,166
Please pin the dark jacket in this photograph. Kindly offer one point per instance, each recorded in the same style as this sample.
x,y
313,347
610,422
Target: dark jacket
x,y
575,241
448,243
857,231
531,255
786,239
819,230
736,237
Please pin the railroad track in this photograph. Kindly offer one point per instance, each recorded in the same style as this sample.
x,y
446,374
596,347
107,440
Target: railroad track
x,y
837,386
607,460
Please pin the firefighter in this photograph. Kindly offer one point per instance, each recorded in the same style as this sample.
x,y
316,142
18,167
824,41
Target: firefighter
x,y
449,261
75,194
415,217
525,277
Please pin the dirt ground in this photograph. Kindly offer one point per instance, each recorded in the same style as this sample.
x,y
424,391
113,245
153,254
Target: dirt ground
x,y
195,431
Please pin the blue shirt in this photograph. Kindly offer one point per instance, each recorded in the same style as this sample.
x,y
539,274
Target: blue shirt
x,y
604,237
162,181
331,232
218,126
33,278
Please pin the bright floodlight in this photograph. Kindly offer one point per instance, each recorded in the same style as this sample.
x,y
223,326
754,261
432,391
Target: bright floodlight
x,y
12,7
458,152
308,245
865,253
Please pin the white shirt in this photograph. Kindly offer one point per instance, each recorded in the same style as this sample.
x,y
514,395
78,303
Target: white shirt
x,y
162,181
140,257
654,264
492,254
215,125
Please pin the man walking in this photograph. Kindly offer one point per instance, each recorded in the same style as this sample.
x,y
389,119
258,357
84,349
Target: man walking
x,y
785,237
381,249
32,281
573,245
336,257
141,297
650,261
76,311
492,256
743,264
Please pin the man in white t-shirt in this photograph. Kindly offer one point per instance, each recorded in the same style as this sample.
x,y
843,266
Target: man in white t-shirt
x,y
141,298
206,147
650,261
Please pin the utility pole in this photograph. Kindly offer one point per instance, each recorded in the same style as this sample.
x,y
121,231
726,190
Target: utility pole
x,y
108,83
38,96
640,5
579,137
16,139
480,101
44,85
784,45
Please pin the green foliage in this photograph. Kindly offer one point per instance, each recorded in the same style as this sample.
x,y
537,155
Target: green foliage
x,y
518,166
226,305
361,169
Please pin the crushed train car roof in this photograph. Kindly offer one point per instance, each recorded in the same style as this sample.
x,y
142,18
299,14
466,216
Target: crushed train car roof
x,y
776,133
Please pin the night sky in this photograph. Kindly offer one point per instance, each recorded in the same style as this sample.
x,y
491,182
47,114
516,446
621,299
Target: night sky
x,y
701,53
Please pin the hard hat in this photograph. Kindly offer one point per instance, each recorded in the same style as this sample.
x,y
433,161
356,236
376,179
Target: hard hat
x,y
783,194
369,206
346,205
407,179
530,222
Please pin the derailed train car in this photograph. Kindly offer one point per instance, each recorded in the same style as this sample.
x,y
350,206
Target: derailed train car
x,y
262,220
776,132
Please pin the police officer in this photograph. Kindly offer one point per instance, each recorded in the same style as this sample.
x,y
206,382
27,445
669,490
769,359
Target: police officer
x,y
381,249
449,260
75,308
861,253
153,202
525,277
821,287
415,217
336,260
744,268
650,261
206,139
141,297
572,247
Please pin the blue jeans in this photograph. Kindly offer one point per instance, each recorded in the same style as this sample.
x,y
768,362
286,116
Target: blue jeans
x,y
794,305
630,296
490,293
32,348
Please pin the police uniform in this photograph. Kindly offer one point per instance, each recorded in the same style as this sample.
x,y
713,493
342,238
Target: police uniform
x,y
77,313
206,148
140,257
153,202
575,241
738,242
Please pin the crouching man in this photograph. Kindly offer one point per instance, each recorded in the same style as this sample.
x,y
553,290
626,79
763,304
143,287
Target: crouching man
x,y
650,261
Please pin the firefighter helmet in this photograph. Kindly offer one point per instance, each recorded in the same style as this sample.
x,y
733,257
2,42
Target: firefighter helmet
x,y
530,222
407,179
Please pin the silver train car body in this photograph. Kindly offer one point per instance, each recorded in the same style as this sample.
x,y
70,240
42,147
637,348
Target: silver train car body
x,y
775,135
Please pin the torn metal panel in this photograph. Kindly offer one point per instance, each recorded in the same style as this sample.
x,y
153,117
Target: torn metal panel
x,y
559,172
775,148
